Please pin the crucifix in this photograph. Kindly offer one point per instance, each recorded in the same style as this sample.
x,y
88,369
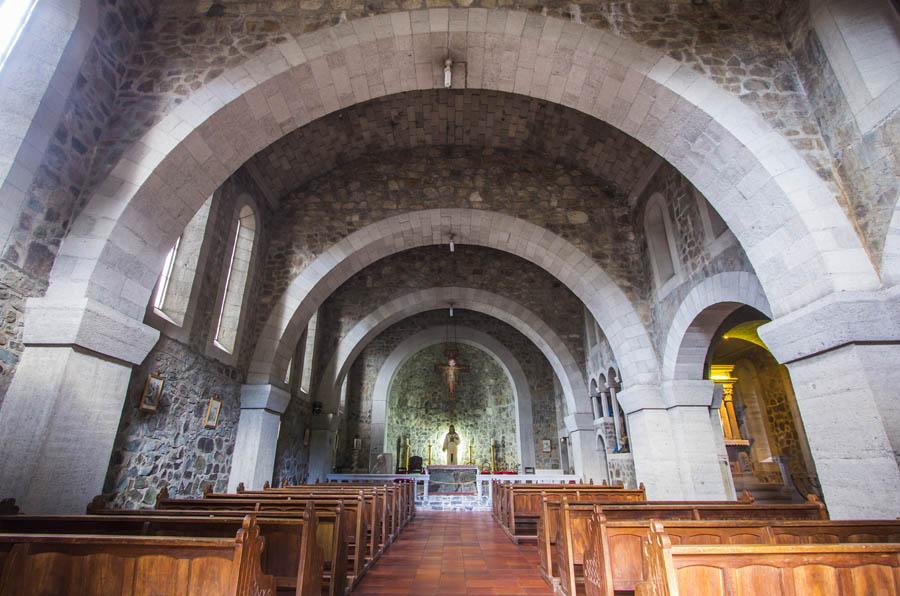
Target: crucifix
x,y
451,372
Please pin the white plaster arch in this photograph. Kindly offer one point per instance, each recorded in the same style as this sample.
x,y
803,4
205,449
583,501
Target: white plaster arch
x,y
801,244
699,316
568,372
465,335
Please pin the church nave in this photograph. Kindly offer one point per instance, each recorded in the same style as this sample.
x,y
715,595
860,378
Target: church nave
x,y
293,293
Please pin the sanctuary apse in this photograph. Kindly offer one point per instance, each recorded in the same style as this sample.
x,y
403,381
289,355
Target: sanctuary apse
x,y
236,235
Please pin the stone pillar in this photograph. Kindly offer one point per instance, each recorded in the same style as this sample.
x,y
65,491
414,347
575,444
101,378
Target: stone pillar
x,y
843,355
587,461
257,435
673,440
692,408
61,413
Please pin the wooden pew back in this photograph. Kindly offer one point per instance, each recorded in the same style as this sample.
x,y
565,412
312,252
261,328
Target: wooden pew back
x,y
772,570
614,558
94,565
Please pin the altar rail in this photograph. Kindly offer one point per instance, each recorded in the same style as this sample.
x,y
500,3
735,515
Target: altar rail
x,y
480,480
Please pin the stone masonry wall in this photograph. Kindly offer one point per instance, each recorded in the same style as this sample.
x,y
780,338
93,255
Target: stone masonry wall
x,y
170,447
484,410
555,196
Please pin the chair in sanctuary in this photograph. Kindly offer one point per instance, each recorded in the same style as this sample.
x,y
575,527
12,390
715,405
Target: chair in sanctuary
x,y
415,465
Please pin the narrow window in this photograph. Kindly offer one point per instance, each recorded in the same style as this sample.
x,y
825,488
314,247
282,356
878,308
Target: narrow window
x,y
236,280
173,292
287,373
659,241
162,287
309,352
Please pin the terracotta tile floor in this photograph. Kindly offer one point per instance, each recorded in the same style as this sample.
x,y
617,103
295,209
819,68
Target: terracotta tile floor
x,y
449,553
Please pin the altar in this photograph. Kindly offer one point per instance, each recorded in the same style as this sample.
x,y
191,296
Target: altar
x,y
452,480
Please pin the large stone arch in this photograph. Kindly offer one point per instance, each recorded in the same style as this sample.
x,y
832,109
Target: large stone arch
x,y
469,336
606,301
786,218
699,316
523,320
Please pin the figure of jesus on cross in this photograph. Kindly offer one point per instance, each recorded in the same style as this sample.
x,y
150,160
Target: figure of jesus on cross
x,y
451,372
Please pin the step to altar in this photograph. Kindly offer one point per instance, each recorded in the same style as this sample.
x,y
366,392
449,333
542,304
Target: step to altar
x,y
454,503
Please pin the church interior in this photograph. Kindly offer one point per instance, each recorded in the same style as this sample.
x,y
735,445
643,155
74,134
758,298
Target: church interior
x,y
448,297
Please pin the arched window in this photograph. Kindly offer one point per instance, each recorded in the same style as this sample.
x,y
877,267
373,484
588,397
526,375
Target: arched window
x,y
236,280
173,291
309,352
658,229
13,16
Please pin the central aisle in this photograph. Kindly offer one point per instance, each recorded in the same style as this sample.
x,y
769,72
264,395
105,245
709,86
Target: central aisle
x,y
450,553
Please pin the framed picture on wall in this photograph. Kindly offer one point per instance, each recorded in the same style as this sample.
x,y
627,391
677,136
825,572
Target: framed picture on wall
x,y
546,445
152,393
211,420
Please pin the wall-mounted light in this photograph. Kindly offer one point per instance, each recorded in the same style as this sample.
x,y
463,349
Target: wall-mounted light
x,y
448,73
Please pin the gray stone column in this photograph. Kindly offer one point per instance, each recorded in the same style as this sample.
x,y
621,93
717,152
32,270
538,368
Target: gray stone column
x,y
257,435
652,443
701,447
587,461
673,441
844,360
61,413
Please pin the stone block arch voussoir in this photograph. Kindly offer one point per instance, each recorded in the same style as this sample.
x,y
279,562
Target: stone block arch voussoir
x,y
701,313
607,302
523,320
800,242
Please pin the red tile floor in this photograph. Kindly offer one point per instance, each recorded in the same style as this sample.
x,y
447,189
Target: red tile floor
x,y
448,554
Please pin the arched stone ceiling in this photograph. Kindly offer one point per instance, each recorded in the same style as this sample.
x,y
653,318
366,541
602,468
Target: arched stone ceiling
x,y
469,117
471,267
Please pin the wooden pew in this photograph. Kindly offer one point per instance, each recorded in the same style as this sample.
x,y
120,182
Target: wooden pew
x,y
95,565
294,554
548,525
573,530
764,569
523,508
386,499
613,560
372,536
360,514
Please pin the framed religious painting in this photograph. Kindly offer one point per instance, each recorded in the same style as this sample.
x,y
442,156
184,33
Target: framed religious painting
x,y
546,445
152,393
213,408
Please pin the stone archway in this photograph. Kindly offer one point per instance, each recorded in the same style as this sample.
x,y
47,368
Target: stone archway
x,y
118,243
469,336
699,316
526,322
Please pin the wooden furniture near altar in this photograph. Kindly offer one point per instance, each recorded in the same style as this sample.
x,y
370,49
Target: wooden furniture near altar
x,y
452,480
